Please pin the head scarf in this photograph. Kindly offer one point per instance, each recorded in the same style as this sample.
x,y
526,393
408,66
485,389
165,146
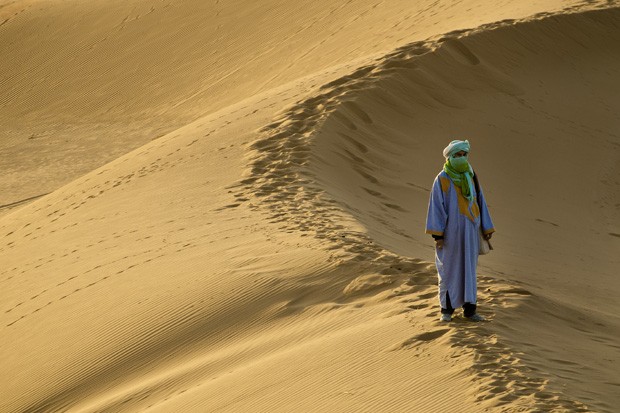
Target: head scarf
x,y
464,180
454,147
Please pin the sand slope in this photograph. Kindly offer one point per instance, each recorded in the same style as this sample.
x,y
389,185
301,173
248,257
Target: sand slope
x,y
189,296
269,256
85,82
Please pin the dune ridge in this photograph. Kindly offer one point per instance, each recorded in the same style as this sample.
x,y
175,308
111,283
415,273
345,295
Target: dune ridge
x,y
290,272
292,142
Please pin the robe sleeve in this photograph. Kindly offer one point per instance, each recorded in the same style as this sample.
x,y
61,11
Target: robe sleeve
x,y
437,216
485,218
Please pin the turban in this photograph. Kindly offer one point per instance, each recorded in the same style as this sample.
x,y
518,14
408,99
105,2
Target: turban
x,y
454,147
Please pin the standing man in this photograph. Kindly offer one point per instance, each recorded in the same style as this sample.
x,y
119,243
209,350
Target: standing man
x,y
457,213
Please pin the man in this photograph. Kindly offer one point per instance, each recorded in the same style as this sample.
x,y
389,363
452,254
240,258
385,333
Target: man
x,y
457,212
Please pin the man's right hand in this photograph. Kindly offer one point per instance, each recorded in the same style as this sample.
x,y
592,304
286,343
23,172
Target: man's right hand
x,y
439,244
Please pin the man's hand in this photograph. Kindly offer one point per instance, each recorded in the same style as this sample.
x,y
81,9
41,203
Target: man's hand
x,y
488,236
439,244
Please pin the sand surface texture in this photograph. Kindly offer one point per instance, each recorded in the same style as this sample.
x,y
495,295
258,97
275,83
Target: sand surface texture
x,y
219,206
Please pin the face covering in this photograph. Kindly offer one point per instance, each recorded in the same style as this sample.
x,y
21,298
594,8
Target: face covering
x,y
459,164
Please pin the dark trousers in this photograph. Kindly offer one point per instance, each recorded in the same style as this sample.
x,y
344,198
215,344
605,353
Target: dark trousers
x,y
469,309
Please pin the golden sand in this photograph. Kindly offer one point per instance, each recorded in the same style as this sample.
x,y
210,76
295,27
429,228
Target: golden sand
x,y
220,206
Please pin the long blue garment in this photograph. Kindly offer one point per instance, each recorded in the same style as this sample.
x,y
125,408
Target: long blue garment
x,y
459,221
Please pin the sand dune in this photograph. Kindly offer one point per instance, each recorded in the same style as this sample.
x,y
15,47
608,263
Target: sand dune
x,y
86,82
267,252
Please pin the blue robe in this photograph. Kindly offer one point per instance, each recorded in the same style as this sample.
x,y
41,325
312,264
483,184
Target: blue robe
x,y
459,221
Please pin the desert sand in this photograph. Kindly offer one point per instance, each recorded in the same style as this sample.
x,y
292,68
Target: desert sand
x,y
220,206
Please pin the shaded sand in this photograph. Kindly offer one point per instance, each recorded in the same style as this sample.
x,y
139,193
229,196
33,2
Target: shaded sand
x,y
268,253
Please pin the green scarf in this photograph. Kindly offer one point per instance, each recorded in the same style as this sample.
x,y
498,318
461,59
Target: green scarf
x,y
462,179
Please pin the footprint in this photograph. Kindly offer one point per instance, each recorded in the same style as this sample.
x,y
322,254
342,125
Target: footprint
x,y
395,207
359,112
461,52
363,148
428,295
